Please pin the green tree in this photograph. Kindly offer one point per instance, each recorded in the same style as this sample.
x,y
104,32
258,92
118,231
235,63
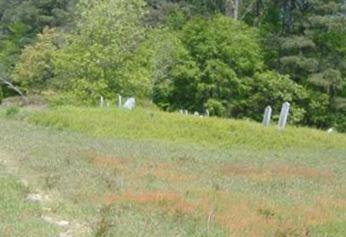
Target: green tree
x,y
271,88
100,53
35,69
220,56
21,21
306,40
159,54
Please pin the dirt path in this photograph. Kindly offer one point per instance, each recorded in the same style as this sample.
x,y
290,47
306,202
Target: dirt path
x,y
69,228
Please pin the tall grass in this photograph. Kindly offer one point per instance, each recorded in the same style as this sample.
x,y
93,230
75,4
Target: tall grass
x,y
145,124
125,186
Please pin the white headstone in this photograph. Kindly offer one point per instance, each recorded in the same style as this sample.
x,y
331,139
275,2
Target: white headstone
x,y
130,103
284,115
186,112
107,106
181,111
120,101
101,101
267,116
196,113
207,113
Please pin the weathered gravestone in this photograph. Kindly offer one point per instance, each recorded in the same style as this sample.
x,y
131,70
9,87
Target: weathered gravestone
x,y
120,104
107,106
267,116
207,113
130,103
284,115
101,101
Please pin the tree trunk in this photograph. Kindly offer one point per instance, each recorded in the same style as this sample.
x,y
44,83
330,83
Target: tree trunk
x,y
16,89
232,8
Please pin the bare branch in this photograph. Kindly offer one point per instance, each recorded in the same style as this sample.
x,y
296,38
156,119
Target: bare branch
x,y
13,87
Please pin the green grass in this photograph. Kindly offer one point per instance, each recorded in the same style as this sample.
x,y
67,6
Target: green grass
x,y
209,132
171,175
19,217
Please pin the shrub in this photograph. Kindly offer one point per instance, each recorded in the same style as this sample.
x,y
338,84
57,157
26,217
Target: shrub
x,y
215,107
340,123
271,88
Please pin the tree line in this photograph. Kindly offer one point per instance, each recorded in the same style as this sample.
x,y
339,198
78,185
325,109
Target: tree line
x,y
232,57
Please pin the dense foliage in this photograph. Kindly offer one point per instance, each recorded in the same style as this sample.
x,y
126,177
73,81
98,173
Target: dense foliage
x,y
231,57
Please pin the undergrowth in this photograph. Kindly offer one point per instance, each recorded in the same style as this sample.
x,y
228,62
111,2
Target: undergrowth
x,y
173,127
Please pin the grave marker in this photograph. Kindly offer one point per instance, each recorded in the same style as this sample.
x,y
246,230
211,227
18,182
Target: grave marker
x,y
130,103
120,101
207,113
267,116
284,115
101,101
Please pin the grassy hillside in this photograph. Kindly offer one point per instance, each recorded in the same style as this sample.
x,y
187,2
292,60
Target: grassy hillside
x,y
148,173
173,127
17,216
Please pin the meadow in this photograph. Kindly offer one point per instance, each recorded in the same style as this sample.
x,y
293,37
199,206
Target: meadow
x,y
211,132
150,173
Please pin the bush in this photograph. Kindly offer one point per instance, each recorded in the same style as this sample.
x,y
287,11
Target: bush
x,y
271,88
215,107
340,123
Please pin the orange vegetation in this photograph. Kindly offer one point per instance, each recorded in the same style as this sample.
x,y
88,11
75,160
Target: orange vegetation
x,y
166,171
276,171
234,211
170,201
107,161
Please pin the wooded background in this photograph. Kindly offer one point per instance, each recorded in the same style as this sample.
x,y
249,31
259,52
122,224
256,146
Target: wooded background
x,y
232,57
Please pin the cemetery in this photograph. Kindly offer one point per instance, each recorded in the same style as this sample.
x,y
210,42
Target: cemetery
x,y
130,104
183,171
172,118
